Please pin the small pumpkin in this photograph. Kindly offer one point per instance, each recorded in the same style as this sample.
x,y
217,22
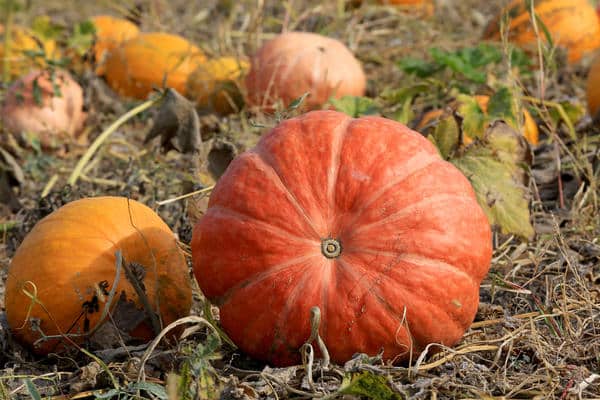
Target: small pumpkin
x,y
46,106
419,7
111,32
215,84
68,263
23,41
593,88
294,63
145,61
573,25
529,129
360,217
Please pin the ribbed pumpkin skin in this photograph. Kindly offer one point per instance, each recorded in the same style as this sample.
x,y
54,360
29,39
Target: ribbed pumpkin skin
x,y
593,88
73,249
140,63
413,238
573,24
110,33
294,63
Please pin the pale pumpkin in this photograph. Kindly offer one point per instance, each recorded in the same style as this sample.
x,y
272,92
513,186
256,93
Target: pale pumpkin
x,y
145,61
68,263
215,84
573,25
111,32
295,63
23,41
360,217
529,129
45,107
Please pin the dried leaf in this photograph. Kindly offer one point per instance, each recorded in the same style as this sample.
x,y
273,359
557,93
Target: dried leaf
x,y
177,124
220,156
446,136
496,168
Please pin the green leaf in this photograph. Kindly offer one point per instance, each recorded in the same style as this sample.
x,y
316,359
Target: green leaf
x,y
82,37
369,385
496,167
457,63
420,68
355,106
44,28
445,136
154,389
474,119
33,392
574,112
503,105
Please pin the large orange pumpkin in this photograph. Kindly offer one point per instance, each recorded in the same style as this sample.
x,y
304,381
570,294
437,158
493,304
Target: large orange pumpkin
x,y
294,63
110,33
68,262
360,217
573,25
145,61
44,106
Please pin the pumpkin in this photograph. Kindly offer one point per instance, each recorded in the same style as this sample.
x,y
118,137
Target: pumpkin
x,y
215,84
360,217
68,262
420,7
294,63
110,33
141,63
529,129
44,106
573,25
22,41
593,88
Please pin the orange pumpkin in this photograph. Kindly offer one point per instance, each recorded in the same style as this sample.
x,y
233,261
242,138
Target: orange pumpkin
x,y
360,217
419,7
47,107
68,263
110,33
573,25
529,129
593,88
295,63
147,60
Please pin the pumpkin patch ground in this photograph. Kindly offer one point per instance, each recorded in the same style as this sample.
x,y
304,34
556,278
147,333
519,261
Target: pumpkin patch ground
x,y
339,241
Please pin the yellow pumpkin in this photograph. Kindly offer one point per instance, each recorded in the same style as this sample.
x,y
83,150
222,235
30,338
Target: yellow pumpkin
x,y
573,25
145,61
529,129
23,41
216,84
62,275
110,33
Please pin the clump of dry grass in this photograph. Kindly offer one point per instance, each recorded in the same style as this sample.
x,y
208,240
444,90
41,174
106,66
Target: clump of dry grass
x,y
537,332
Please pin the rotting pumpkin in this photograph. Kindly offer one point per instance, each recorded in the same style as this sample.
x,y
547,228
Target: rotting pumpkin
x,y
64,274
360,217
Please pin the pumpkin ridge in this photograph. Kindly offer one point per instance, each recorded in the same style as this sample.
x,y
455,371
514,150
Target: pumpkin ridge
x,y
264,158
341,132
224,212
399,214
373,286
258,278
283,315
422,161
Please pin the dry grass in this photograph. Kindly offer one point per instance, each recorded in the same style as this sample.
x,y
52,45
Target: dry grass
x,y
537,332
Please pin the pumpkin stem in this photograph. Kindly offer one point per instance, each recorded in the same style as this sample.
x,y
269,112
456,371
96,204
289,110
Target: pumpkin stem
x,y
331,248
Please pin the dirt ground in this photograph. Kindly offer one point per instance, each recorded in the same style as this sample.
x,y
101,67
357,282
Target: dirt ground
x,y
537,331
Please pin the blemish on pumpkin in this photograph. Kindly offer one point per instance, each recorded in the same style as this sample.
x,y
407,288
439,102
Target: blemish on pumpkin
x,y
457,303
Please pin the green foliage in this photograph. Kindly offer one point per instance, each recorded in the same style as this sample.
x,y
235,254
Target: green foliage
x,y
467,65
33,392
355,106
133,391
368,385
495,167
82,37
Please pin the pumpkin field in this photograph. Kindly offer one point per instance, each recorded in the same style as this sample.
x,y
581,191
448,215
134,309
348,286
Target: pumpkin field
x,y
370,199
